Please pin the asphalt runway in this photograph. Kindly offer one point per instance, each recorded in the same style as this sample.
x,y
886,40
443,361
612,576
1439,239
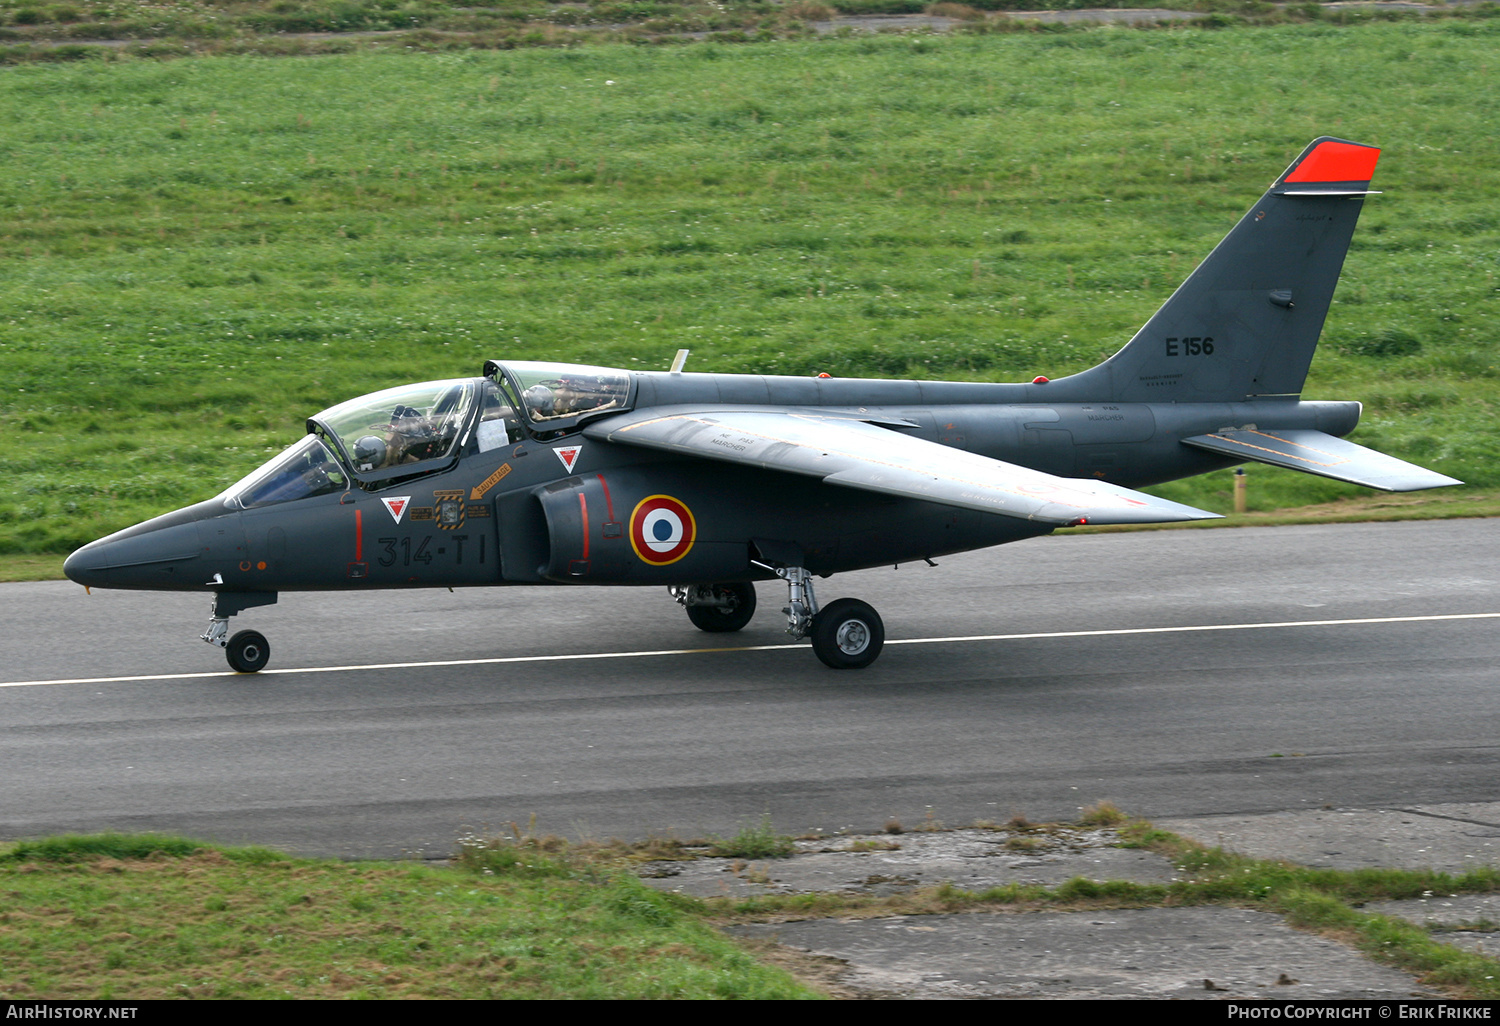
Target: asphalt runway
x,y
392,723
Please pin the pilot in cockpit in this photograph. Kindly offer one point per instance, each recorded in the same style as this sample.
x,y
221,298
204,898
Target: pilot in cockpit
x,y
408,438
564,397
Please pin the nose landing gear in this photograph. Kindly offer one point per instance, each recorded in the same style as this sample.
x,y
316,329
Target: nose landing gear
x,y
247,651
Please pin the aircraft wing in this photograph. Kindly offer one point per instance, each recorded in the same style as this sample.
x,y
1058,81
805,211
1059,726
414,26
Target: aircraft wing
x,y
1325,455
842,449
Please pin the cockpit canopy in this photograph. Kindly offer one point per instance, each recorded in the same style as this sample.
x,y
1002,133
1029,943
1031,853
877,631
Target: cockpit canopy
x,y
303,469
398,432
554,396
423,428
400,426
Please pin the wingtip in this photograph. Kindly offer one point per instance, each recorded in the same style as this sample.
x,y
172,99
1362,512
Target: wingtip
x,y
1118,518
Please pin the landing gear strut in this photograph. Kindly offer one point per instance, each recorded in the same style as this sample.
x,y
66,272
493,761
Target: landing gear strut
x,y
247,651
847,634
716,608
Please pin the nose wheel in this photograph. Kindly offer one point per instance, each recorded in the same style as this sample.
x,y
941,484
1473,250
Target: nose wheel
x,y
248,652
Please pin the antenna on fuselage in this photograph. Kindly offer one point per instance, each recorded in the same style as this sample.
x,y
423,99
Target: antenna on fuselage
x,y
679,360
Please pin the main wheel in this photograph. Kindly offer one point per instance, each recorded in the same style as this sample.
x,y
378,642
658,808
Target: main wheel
x,y
248,652
847,634
741,607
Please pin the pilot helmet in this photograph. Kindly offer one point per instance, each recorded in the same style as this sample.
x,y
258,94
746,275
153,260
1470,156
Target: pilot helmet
x,y
369,453
540,399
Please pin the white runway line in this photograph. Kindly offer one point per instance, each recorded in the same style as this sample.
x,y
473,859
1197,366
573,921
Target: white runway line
x,y
762,648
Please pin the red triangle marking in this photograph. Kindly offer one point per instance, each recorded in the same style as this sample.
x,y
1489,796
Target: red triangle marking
x,y
397,506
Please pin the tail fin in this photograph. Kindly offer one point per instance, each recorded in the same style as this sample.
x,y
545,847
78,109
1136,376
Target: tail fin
x,y
1245,322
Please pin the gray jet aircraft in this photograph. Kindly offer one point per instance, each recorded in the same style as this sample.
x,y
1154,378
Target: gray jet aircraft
x,y
541,473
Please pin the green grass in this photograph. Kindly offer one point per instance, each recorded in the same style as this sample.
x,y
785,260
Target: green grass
x,y
198,253
130,917
122,916
754,841
45,567
35,30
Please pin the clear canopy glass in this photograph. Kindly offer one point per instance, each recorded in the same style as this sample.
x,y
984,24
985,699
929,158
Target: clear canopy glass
x,y
561,391
408,424
303,469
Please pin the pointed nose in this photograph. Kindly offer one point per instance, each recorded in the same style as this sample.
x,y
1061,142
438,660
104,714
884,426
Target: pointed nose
x,y
166,553
168,557
89,565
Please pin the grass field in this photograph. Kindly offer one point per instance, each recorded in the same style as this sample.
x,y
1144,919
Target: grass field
x,y
130,917
150,917
199,253
36,30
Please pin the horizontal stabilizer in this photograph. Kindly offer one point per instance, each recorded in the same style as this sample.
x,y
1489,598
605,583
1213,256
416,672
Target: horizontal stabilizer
x,y
841,450
1317,453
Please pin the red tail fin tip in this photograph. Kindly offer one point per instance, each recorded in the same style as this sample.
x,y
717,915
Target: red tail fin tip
x,y
1334,161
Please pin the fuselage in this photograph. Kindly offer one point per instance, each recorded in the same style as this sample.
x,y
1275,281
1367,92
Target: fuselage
x,y
520,496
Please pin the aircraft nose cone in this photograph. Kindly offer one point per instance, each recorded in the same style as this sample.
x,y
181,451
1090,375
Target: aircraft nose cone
x,y
165,553
89,565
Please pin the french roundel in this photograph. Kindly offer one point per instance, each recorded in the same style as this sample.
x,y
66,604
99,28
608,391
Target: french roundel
x,y
662,530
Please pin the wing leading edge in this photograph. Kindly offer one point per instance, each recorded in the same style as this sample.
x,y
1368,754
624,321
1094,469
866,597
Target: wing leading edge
x,y
846,451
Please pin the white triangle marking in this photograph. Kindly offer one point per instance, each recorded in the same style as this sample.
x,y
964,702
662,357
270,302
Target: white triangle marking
x,y
396,506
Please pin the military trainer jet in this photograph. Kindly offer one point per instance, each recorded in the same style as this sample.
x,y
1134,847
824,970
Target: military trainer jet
x,y
541,473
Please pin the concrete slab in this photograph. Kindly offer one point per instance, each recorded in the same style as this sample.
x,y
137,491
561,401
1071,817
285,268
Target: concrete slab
x,y
1452,838
1194,952
1445,911
975,860
1199,952
1467,921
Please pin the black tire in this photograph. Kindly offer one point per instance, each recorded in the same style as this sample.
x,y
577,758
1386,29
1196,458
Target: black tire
x,y
248,652
723,621
847,634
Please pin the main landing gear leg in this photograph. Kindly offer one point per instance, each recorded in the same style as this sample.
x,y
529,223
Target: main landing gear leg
x,y
716,608
847,634
247,651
